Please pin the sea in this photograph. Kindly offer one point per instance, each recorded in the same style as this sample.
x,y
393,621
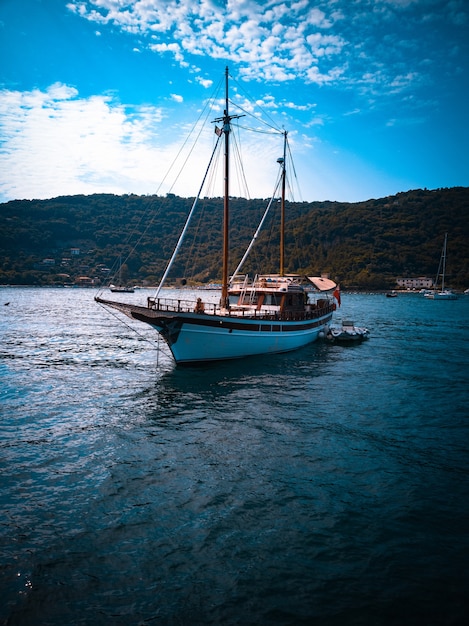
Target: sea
x,y
327,486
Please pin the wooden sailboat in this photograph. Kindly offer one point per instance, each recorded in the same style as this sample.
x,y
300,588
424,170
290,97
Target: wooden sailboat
x,y
268,314
444,293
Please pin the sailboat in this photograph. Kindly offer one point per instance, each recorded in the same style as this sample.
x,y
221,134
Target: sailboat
x,y
265,314
120,288
443,294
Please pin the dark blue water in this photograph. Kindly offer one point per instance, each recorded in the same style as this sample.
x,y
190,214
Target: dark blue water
x,y
328,486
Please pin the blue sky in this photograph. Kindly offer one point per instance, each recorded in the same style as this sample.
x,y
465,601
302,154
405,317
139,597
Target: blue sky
x,y
97,95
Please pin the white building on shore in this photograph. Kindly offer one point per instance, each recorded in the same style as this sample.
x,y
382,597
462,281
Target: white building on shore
x,y
422,282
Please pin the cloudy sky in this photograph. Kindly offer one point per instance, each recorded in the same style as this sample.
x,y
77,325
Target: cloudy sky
x,y
98,95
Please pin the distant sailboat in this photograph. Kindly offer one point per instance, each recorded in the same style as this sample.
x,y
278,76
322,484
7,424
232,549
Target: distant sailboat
x,y
268,314
443,294
120,288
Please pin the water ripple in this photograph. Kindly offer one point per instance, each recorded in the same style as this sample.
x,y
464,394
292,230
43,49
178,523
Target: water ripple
x,y
325,486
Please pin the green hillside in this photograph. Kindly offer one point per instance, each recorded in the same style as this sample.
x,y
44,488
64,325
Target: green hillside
x,y
363,245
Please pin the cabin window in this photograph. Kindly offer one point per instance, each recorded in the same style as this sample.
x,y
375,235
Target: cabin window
x,y
294,302
250,298
272,299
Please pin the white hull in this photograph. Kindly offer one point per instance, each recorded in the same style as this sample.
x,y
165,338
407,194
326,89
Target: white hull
x,y
442,295
196,344
347,334
197,338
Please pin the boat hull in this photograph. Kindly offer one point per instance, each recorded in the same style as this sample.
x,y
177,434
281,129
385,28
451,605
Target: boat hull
x,y
443,295
215,338
199,338
342,335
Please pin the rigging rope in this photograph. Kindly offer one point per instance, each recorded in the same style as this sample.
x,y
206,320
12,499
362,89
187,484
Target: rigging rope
x,y
255,104
206,111
246,254
131,328
199,126
186,225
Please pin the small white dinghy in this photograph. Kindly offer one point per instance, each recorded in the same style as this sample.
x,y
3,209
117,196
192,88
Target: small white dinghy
x,y
346,333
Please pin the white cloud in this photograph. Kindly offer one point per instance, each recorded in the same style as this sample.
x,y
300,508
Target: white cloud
x,y
298,107
332,42
403,81
316,121
316,17
276,41
204,82
56,143
176,97
174,48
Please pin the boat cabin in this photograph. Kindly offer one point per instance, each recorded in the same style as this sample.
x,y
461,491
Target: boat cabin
x,y
273,294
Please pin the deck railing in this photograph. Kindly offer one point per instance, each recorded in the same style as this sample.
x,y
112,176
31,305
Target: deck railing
x,y
167,305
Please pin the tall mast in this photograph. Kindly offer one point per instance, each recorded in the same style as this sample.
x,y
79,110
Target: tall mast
x,y
226,196
226,119
282,207
444,264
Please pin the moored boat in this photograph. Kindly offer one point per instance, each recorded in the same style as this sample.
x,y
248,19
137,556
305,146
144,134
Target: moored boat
x,y
446,294
443,293
347,332
266,314
120,288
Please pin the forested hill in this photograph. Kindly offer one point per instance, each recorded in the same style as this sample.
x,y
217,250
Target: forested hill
x,y
362,245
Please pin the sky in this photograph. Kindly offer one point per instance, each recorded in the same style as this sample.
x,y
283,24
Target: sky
x,y
97,96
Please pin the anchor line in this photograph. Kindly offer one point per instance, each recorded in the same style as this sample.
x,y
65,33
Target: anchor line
x,y
155,346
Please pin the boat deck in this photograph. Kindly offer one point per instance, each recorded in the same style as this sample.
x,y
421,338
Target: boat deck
x,y
311,311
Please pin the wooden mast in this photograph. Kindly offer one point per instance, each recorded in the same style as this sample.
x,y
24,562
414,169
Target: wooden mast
x,y
226,201
282,207
226,119
444,263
